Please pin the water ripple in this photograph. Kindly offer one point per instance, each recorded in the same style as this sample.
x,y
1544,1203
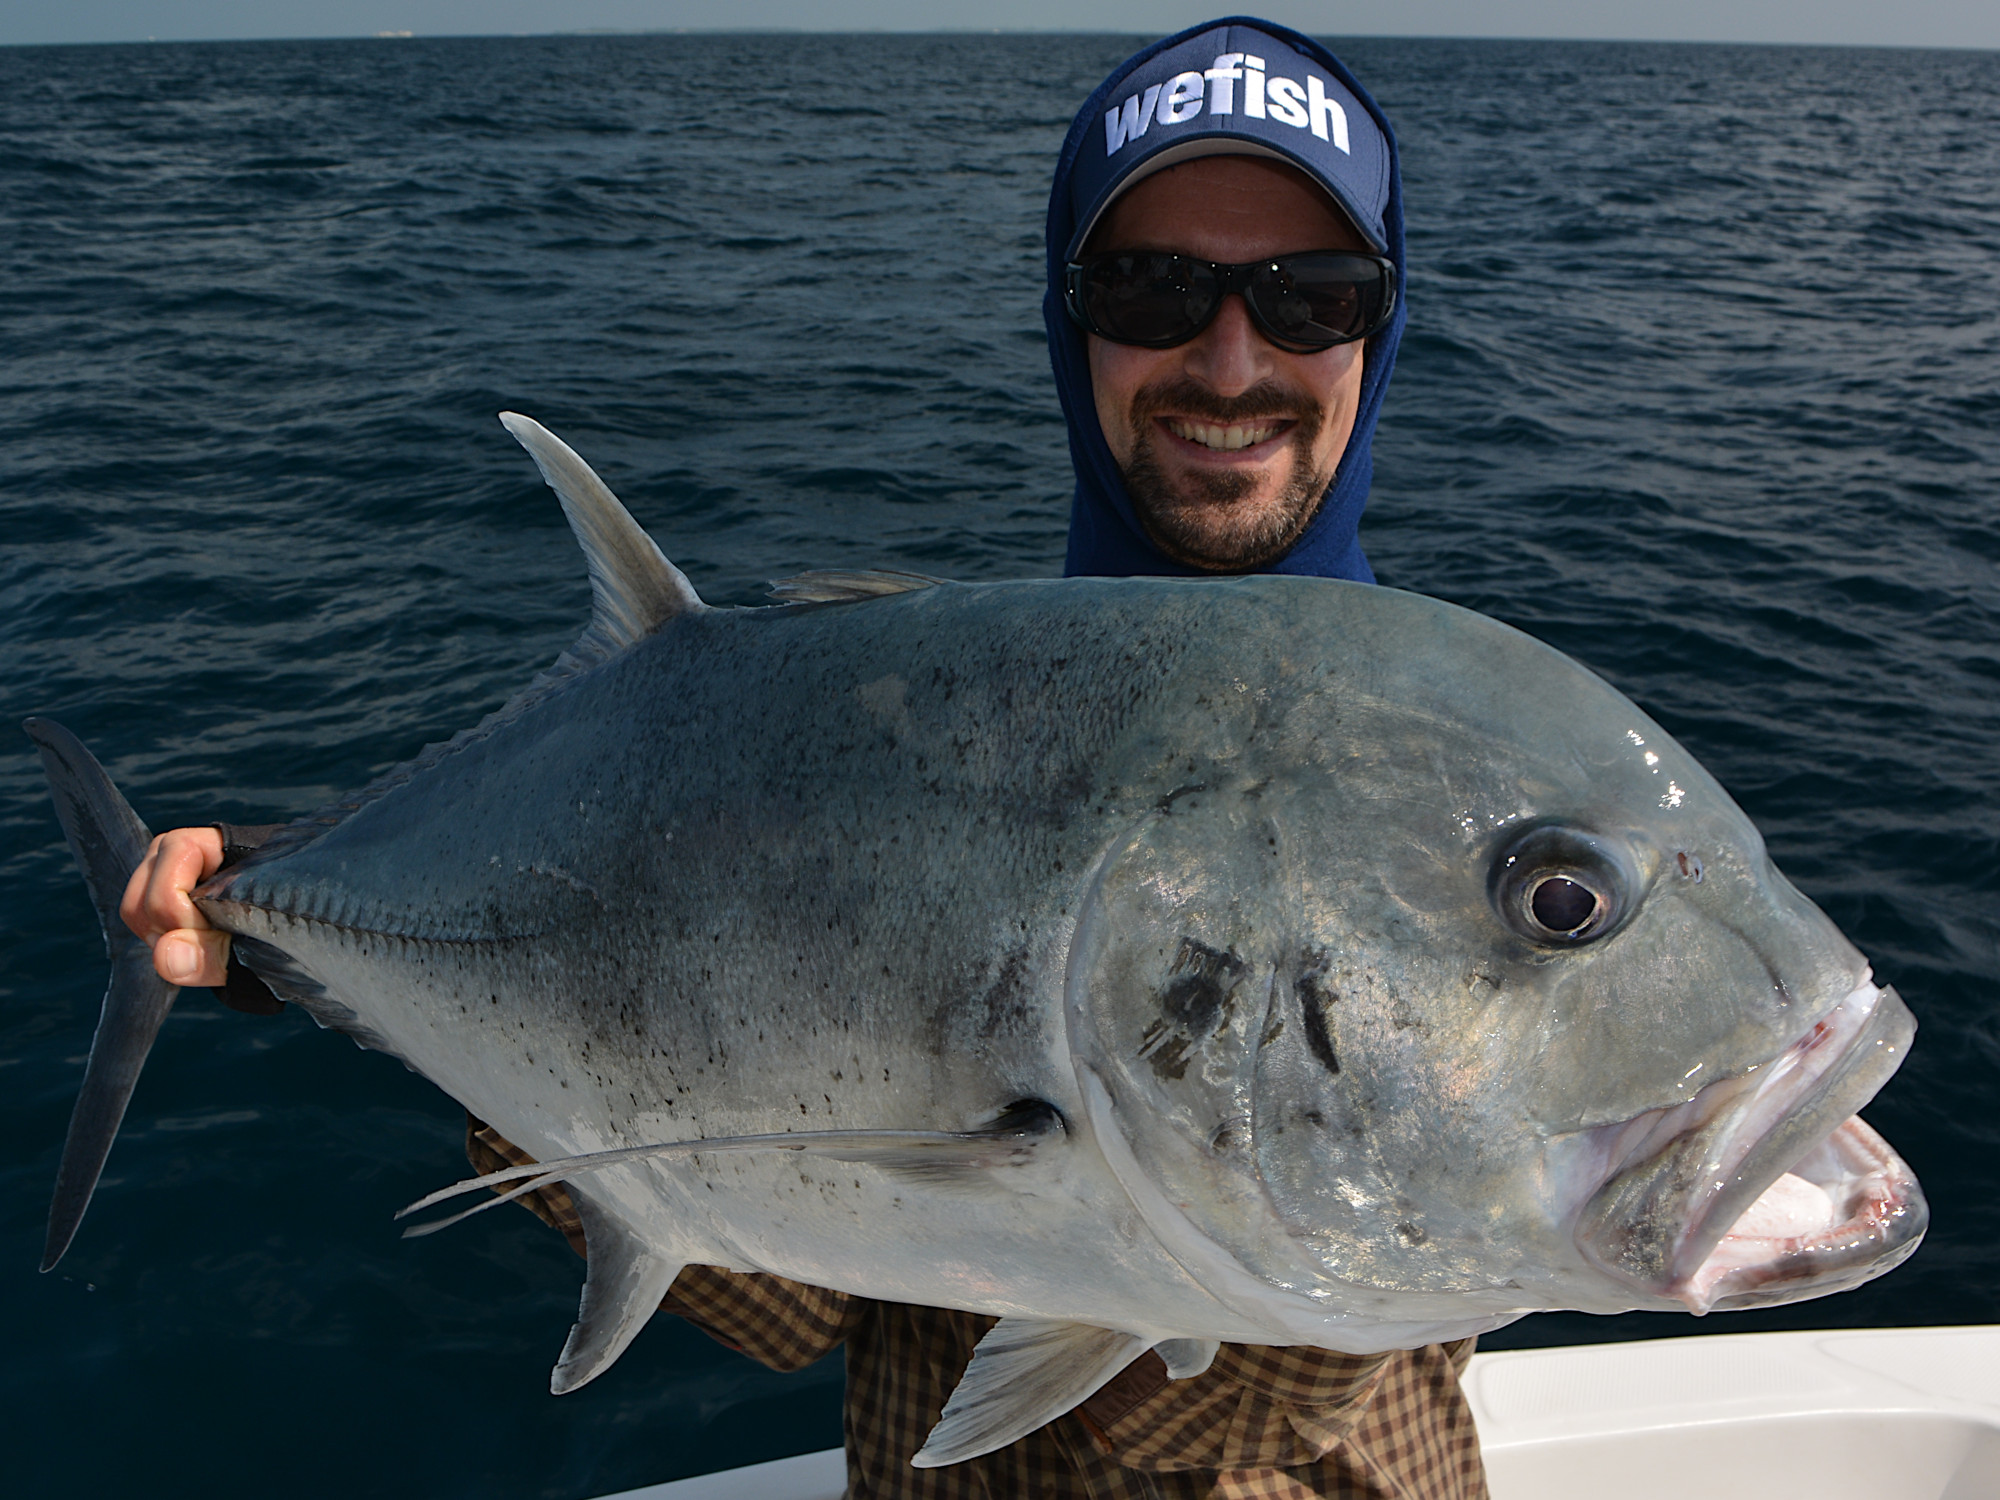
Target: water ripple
x,y
1702,385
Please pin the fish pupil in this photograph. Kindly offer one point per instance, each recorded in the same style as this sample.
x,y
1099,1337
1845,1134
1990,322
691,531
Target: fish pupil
x,y
1562,905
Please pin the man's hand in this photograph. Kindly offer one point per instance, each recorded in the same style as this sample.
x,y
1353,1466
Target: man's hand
x,y
186,950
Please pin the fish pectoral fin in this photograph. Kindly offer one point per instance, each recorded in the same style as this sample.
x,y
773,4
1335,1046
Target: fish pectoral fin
x,y
1186,1358
634,589
1023,1375
623,1289
843,585
1010,1139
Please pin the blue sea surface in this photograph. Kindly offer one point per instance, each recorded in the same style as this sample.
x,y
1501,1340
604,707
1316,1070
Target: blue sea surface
x,y
1702,385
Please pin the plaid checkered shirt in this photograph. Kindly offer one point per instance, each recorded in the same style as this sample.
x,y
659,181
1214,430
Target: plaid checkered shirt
x,y
1259,1424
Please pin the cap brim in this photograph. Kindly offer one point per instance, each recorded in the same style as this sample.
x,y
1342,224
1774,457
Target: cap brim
x,y
1220,143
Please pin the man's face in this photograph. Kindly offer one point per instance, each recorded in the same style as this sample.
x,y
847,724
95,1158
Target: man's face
x,y
1227,442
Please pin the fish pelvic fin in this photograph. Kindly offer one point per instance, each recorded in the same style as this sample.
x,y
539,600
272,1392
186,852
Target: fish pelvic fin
x,y
622,1290
844,585
1187,1358
634,589
1024,1374
108,841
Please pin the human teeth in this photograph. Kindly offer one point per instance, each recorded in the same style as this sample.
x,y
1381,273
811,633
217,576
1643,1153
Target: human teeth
x,y
1222,439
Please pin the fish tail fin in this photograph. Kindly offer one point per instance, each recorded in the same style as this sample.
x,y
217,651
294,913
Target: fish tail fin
x,y
108,841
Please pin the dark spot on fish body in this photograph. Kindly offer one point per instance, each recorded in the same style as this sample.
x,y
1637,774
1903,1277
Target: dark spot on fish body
x,y
1315,995
1004,1006
1202,986
1165,1051
1403,1018
1196,1002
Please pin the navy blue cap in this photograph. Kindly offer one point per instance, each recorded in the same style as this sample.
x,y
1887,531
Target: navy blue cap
x,y
1233,89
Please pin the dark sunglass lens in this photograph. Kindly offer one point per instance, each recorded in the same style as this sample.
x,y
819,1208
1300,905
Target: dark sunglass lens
x,y
1148,299
1320,300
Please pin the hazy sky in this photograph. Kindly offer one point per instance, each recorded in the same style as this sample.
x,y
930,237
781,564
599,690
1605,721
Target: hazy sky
x,y
1920,23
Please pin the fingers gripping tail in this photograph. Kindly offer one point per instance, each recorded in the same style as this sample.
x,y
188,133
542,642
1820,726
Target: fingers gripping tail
x,y
108,841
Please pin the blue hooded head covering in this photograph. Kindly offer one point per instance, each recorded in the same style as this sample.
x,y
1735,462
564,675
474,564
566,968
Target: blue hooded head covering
x,y
1233,86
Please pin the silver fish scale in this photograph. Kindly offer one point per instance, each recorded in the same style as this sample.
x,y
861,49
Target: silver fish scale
x,y
811,867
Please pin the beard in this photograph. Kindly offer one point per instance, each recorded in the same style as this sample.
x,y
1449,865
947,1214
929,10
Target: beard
x,y
1214,521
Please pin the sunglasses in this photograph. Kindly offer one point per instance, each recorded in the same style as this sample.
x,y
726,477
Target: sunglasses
x,y
1302,303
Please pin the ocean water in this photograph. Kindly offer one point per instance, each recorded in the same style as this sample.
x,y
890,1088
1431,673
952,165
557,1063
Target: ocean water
x,y
1702,385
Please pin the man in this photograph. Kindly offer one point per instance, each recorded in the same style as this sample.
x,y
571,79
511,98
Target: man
x,y
1230,143
1224,237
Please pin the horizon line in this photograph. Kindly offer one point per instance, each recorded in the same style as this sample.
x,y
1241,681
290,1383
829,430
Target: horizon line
x,y
916,31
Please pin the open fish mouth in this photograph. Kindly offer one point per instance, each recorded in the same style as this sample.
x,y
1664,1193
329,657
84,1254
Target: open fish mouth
x,y
1766,1188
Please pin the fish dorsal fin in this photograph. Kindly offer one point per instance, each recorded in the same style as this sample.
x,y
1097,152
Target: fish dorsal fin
x,y
634,589
623,1288
842,585
1024,1374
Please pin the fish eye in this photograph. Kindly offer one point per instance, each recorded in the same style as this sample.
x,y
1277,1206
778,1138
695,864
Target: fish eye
x,y
1564,906
1560,886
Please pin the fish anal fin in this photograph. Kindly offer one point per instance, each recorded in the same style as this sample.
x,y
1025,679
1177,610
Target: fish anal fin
x,y
634,589
1024,1374
844,585
624,1286
289,981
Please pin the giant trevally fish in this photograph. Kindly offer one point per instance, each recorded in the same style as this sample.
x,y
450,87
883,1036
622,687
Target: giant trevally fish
x,y
1151,963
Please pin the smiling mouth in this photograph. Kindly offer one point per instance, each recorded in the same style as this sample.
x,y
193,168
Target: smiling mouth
x,y
1224,439
1767,1191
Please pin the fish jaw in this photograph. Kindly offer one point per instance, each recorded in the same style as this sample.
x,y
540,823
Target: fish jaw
x,y
1846,1213
1768,1189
